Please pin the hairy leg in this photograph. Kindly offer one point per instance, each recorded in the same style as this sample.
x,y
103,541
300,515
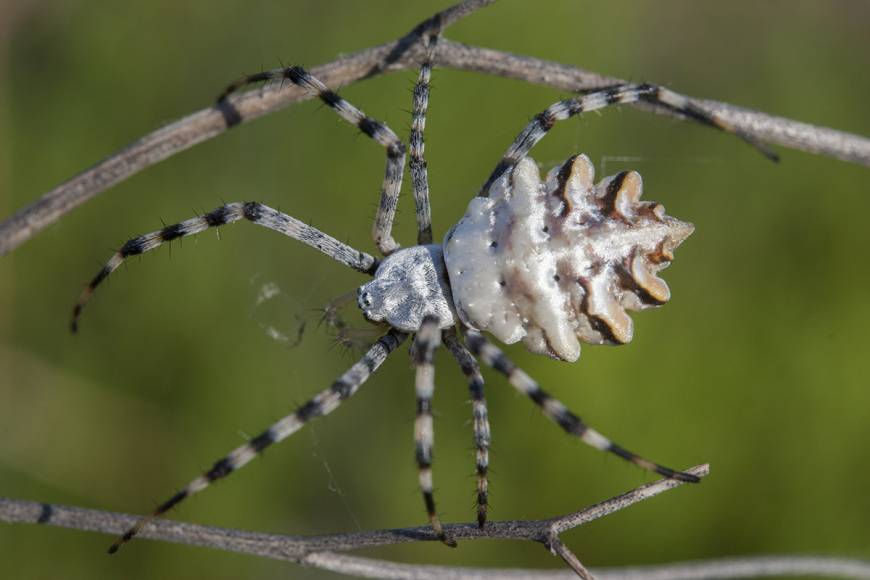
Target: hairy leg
x,y
417,163
377,130
481,419
425,343
252,211
493,357
322,404
599,99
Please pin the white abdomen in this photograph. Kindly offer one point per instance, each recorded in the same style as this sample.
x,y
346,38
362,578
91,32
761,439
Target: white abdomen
x,y
558,262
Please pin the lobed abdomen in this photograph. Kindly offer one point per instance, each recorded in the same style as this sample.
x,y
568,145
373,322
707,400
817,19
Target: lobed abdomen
x,y
558,262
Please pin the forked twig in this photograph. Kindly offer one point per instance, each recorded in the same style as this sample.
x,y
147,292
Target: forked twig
x,y
324,551
400,54
320,551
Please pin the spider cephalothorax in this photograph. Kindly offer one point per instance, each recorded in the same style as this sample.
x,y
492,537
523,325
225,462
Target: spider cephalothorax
x,y
409,285
552,263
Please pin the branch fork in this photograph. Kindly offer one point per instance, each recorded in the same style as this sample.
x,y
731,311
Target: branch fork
x,y
323,551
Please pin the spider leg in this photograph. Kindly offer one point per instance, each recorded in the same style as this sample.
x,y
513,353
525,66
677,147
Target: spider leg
x,y
556,411
322,404
371,127
423,352
614,95
232,212
417,163
481,419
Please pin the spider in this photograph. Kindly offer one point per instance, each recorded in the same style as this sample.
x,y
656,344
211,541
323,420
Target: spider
x,y
553,262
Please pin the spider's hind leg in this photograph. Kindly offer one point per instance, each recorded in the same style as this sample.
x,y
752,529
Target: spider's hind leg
x,y
557,412
373,128
684,106
599,99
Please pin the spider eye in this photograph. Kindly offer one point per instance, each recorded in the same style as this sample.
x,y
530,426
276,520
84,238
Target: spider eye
x,y
365,299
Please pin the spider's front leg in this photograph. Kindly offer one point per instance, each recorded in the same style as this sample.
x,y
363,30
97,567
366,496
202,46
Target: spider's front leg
x,y
378,131
226,214
417,163
423,352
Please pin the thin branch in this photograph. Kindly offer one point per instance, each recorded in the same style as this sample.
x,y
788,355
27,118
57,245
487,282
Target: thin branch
x,y
322,551
573,562
558,526
759,125
439,22
722,568
746,567
398,55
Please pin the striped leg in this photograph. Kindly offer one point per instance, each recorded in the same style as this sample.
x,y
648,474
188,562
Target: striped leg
x,y
322,404
481,419
427,340
419,173
615,95
556,411
371,127
232,212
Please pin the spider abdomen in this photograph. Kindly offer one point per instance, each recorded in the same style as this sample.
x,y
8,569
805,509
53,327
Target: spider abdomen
x,y
558,262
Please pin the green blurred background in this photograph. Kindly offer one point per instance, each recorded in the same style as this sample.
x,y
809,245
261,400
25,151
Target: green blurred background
x,y
759,364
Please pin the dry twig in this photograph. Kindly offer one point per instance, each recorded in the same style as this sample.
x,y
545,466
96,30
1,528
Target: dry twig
x,y
324,551
320,551
398,55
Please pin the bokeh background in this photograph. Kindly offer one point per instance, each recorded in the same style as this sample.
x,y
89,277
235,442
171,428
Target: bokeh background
x,y
758,365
